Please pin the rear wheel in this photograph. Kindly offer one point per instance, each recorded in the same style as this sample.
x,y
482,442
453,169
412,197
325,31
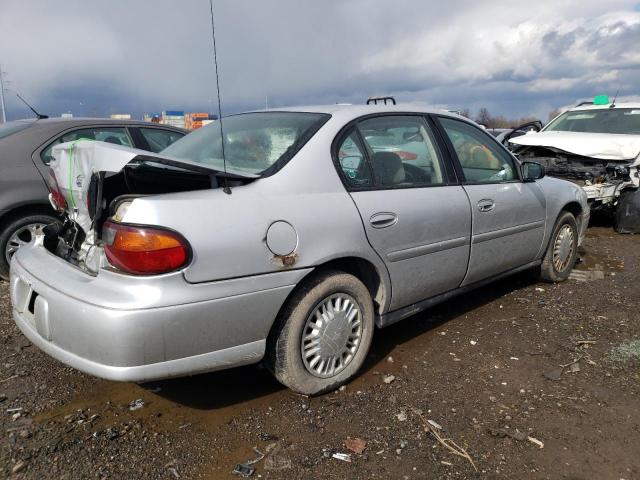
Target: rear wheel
x,y
17,233
562,251
323,334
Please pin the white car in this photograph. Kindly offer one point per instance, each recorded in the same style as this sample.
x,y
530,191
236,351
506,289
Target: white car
x,y
596,145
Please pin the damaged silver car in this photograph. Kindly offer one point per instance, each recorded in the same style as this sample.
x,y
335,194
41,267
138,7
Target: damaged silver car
x,y
596,145
284,236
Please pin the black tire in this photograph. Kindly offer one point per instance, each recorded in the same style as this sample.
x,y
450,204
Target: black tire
x,y
627,212
284,356
13,226
549,270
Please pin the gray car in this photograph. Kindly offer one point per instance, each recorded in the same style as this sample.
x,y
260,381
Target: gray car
x,y
25,153
289,237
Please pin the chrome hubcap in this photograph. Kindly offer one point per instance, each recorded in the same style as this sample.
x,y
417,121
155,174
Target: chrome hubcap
x,y
21,237
331,335
563,248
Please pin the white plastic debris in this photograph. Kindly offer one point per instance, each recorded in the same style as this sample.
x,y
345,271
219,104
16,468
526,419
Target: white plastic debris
x,y
388,379
345,457
136,404
536,441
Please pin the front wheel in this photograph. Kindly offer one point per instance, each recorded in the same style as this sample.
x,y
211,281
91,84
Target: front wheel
x,y
323,335
562,251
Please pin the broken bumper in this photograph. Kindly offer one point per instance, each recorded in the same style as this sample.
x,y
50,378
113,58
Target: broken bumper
x,y
138,329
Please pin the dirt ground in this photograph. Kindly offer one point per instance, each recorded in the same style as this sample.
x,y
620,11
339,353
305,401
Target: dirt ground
x,y
504,370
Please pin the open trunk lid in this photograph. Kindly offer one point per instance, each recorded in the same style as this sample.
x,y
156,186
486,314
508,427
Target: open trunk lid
x,y
81,169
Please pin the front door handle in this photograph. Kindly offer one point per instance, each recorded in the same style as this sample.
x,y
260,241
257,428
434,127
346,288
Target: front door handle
x,y
486,205
383,219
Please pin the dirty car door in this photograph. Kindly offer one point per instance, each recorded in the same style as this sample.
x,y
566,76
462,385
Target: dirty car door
x,y
417,222
508,214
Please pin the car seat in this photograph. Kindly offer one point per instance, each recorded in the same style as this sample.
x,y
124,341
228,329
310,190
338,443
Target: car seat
x,y
388,168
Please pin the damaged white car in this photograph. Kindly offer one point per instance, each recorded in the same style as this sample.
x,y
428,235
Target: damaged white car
x,y
597,146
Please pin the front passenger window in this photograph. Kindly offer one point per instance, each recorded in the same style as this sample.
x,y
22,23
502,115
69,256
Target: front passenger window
x,y
482,160
159,139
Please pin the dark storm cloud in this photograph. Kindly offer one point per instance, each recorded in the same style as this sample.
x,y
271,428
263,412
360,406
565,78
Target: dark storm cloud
x,y
96,57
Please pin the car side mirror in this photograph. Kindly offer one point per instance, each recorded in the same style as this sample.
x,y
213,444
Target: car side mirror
x,y
531,171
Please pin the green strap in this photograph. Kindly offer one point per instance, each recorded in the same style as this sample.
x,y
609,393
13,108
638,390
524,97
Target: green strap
x,y
71,172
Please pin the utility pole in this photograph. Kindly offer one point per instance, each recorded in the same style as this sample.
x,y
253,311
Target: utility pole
x,y
4,111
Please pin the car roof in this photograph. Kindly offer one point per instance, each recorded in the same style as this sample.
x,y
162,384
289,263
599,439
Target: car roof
x,y
87,121
346,112
360,109
589,106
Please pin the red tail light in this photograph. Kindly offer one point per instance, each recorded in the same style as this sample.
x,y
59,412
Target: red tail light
x,y
57,199
404,155
144,250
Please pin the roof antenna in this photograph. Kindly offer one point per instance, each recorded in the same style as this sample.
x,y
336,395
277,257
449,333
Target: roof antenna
x,y
226,188
39,115
613,104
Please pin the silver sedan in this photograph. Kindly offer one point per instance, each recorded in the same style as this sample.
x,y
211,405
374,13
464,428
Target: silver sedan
x,y
285,236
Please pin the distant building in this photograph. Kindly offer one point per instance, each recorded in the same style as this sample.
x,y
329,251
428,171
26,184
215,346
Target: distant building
x,y
193,121
178,118
173,117
120,116
151,117
67,115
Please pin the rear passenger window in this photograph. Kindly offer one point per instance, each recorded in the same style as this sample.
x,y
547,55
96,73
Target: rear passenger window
x,y
354,163
402,151
117,136
481,158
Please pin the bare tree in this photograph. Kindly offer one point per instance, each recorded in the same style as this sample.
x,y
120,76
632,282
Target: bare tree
x,y
483,117
554,113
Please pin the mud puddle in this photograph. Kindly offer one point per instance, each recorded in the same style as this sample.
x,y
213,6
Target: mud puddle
x,y
205,401
592,266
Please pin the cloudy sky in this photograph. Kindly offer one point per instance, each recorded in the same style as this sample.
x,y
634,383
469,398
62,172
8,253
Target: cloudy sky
x,y
95,57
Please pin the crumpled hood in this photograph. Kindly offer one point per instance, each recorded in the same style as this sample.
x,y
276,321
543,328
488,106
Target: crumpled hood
x,y
603,146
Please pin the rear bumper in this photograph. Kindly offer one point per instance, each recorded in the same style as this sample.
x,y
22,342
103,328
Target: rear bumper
x,y
143,328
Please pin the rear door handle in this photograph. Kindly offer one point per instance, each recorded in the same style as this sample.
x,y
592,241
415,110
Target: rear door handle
x,y
486,205
383,219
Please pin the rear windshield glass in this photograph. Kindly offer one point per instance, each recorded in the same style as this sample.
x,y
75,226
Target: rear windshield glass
x,y
608,120
256,143
10,128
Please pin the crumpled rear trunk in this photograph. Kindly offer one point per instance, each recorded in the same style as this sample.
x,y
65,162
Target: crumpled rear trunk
x,y
93,176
